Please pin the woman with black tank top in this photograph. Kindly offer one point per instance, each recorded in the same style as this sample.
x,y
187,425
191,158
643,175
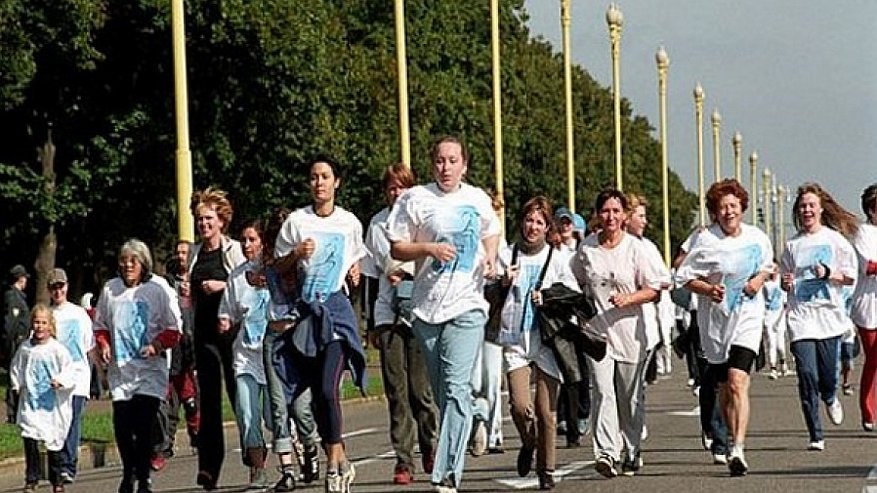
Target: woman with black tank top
x,y
210,262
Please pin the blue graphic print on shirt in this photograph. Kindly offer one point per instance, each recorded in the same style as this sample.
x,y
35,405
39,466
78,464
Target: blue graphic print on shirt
x,y
130,330
739,266
325,266
69,335
42,396
529,277
462,228
807,286
774,299
256,318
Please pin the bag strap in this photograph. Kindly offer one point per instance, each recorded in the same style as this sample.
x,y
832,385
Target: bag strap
x,y
544,269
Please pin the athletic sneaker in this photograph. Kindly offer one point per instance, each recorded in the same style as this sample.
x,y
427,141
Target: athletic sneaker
x,y
287,480
774,374
737,464
479,439
631,466
309,465
706,441
816,445
605,466
867,426
835,412
402,474
720,459
339,481
848,389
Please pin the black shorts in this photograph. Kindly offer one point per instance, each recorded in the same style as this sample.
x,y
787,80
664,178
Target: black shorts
x,y
739,358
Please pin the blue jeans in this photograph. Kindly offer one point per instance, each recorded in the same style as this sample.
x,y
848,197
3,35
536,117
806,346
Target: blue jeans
x,y
70,452
816,361
711,421
251,407
450,349
302,415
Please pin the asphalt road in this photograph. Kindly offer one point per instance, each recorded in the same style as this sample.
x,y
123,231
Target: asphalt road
x,y
673,457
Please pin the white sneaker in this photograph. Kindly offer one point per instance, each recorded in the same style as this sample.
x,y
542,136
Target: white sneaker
x,y
479,439
773,374
644,434
818,445
706,441
835,412
737,464
690,383
867,426
720,459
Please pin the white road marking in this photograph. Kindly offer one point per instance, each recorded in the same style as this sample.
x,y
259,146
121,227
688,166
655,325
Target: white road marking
x,y
693,413
375,458
533,482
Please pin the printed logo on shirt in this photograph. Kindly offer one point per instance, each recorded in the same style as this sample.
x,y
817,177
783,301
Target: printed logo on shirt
x,y
808,286
69,335
462,228
774,298
130,330
741,265
529,278
255,320
324,268
43,396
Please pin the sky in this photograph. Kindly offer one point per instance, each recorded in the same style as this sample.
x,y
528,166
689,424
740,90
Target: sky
x,y
796,78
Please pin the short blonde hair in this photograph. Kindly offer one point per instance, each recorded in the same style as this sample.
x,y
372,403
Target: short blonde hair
x,y
216,200
43,309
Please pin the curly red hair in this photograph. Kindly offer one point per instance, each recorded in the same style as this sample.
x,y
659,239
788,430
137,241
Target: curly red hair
x,y
719,189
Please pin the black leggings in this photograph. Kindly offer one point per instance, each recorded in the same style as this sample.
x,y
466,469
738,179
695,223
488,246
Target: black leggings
x,y
133,421
323,375
32,463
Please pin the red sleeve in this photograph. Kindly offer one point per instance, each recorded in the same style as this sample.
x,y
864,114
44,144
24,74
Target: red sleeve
x,y
872,268
168,338
102,337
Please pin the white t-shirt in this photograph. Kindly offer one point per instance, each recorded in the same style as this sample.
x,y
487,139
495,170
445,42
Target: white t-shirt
x,y
462,218
378,263
74,331
864,309
651,315
246,306
134,317
603,272
338,245
816,307
730,261
519,332
775,305
44,413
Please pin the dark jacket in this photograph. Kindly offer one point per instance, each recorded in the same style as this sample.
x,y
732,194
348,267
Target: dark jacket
x,y
16,325
561,315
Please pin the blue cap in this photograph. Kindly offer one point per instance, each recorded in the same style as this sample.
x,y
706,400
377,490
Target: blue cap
x,y
579,223
563,212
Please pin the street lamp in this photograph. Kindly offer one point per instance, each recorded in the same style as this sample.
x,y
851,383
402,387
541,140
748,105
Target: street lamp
x,y
698,118
402,82
185,222
497,112
615,19
765,176
567,90
737,142
663,61
717,152
782,199
753,184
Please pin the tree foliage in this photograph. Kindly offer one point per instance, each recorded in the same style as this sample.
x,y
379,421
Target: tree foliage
x,y
272,83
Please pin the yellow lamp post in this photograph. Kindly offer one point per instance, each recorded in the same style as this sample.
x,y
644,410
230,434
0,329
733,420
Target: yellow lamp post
x,y
567,91
615,20
765,176
663,61
698,118
497,110
402,71
753,184
782,198
717,152
185,222
737,142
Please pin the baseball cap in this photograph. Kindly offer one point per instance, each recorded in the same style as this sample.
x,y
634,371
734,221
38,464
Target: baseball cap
x,y
57,276
563,212
579,223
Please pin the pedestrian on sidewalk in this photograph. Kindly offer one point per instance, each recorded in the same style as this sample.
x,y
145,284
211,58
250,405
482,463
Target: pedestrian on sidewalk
x,y
73,331
136,321
727,267
864,307
816,265
412,410
15,327
43,376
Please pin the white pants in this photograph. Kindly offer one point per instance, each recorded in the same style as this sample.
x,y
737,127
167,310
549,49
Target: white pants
x,y
617,407
775,330
487,383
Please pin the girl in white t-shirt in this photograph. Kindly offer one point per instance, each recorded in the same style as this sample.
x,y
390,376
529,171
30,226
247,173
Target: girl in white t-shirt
x,y
43,375
614,267
864,306
727,267
775,324
816,264
521,338
244,307
449,229
323,243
